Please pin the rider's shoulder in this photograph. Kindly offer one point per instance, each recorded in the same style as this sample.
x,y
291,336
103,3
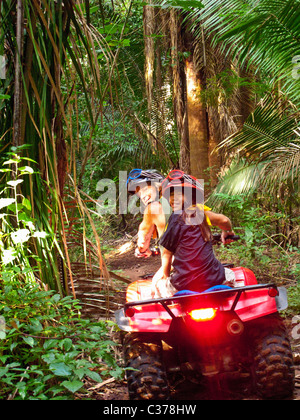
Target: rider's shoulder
x,y
154,208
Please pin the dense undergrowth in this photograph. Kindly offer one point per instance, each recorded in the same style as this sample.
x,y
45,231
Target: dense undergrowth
x,y
272,255
47,351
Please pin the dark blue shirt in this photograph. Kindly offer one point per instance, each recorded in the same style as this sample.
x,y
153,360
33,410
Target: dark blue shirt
x,y
195,265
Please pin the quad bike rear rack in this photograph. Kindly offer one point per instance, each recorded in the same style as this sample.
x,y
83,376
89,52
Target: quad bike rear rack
x,y
215,296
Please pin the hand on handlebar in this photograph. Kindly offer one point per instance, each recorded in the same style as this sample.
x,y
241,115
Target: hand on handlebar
x,y
145,254
224,237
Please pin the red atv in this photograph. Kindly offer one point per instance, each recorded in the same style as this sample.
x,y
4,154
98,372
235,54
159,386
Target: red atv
x,y
214,334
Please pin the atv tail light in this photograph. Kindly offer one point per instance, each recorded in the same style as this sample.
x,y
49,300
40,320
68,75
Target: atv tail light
x,y
273,292
204,314
130,312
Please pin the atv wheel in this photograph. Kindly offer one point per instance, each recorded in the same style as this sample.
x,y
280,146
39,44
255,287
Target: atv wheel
x,y
273,369
149,381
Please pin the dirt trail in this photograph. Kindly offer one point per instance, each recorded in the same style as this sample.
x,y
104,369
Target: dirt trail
x,y
133,269
123,258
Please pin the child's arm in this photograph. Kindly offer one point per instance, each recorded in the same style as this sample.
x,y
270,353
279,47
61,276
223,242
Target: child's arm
x,y
164,272
166,259
222,222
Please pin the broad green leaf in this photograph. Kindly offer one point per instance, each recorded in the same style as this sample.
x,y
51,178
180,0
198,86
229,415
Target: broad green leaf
x,y
60,369
52,342
49,357
94,376
10,161
20,236
8,255
72,386
3,371
66,344
36,326
4,202
15,183
26,170
29,341
55,298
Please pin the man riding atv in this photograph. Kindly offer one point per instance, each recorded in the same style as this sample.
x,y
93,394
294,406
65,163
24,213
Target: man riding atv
x,y
146,184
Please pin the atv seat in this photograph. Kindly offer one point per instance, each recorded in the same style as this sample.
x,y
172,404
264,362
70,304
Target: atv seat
x,y
211,289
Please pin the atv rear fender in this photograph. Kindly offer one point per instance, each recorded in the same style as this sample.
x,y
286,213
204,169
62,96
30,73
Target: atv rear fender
x,y
156,315
250,301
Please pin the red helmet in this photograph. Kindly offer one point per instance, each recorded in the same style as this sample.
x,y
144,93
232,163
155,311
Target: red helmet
x,y
177,178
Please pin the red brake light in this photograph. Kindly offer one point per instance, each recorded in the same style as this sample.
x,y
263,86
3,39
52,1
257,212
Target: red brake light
x,y
204,314
273,292
130,312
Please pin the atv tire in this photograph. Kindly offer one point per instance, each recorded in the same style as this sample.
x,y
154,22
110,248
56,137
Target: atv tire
x,y
143,352
273,368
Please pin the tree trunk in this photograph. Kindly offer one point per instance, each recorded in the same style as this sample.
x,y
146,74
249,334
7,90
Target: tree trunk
x,y
17,120
215,160
149,31
197,124
179,91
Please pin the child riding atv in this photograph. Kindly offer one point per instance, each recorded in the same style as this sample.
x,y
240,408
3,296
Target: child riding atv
x,y
187,242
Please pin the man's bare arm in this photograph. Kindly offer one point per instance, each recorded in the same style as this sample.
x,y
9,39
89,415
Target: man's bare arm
x,y
145,233
153,217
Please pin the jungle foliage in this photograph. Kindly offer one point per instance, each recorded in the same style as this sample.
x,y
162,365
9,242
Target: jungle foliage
x,y
100,84
90,88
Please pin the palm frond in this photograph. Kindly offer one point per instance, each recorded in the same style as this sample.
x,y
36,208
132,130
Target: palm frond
x,y
265,131
264,35
240,178
284,166
267,151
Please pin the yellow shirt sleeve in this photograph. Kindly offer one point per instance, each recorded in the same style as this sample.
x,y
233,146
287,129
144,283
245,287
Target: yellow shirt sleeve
x,y
205,208
207,218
